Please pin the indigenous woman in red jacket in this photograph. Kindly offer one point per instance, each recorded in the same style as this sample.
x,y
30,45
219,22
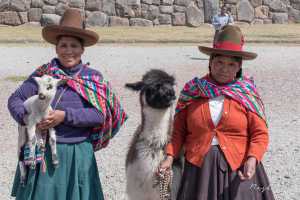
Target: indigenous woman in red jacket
x,y
220,123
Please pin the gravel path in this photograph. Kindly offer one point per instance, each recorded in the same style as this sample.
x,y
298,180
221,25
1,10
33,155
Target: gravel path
x,y
276,71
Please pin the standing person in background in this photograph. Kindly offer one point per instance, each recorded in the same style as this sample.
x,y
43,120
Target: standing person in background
x,y
86,114
220,20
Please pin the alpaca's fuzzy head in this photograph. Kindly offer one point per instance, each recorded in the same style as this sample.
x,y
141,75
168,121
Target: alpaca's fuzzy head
x,y
157,88
47,86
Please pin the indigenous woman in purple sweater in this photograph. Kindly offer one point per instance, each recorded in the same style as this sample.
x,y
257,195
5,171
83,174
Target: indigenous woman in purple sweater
x,y
86,114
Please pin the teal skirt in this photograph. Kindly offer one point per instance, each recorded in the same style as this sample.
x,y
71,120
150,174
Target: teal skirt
x,y
75,178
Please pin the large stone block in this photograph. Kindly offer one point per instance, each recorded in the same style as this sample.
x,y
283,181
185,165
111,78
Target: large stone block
x,y
48,9
77,4
231,1
294,15
267,21
151,13
257,21
211,8
50,19
109,7
35,14
97,19
178,19
179,8
18,5
4,5
245,11
37,3
128,2
185,3
140,22
93,5
200,3
278,6
167,2
51,2
146,1
10,18
118,21
23,17
296,6
156,2
164,19
256,3
262,12
61,8
280,18
195,16
166,9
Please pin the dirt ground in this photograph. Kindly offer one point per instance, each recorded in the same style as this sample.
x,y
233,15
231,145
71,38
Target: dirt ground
x,y
277,75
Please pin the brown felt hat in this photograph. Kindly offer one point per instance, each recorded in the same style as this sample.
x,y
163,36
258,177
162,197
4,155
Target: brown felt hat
x,y
230,41
71,24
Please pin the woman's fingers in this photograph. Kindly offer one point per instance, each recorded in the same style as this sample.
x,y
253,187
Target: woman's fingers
x,y
248,170
241,175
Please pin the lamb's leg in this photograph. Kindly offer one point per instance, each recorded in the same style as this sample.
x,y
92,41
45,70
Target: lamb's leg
x,y
52,141
21,142
31,144
23,172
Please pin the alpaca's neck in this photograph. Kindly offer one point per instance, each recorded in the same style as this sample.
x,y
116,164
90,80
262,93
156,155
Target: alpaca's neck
x,y
156,125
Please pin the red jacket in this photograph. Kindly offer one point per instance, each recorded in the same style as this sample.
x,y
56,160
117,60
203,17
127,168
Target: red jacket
x,y
241,133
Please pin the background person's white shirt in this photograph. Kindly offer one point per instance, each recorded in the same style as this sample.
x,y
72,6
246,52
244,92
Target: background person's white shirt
x,y
218,21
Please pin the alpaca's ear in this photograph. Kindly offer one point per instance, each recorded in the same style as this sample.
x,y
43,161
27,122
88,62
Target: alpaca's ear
x,y
135,86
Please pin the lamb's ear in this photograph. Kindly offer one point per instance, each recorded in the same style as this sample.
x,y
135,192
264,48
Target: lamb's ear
x,y
62,82
135,86
37,79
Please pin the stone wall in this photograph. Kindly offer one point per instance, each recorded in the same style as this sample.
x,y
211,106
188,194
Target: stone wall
x,y
148,12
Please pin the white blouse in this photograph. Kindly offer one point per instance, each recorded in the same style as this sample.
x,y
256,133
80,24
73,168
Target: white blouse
x,y
216,110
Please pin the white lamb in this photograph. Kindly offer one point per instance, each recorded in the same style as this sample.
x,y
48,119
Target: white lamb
x,y
38,107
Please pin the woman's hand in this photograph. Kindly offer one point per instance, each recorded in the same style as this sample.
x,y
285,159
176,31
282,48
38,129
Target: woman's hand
x,y
249,169
54,118
166,164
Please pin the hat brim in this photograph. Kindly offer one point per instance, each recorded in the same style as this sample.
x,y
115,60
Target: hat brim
x,y
52,32
244,54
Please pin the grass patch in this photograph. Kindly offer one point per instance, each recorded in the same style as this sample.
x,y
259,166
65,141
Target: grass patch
x,y
16,78
267,33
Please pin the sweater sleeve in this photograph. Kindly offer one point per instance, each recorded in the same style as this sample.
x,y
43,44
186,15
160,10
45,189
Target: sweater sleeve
x,y
178,135
259,137
17,98
83,117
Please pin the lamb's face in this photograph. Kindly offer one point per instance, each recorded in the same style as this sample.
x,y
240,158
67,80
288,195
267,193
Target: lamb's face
x,y
47,86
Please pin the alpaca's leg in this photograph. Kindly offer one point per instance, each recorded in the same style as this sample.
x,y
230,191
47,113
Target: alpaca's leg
x,y
31,144
52,141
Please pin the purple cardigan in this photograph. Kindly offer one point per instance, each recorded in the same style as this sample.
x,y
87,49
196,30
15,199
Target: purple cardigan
x,y
80,116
